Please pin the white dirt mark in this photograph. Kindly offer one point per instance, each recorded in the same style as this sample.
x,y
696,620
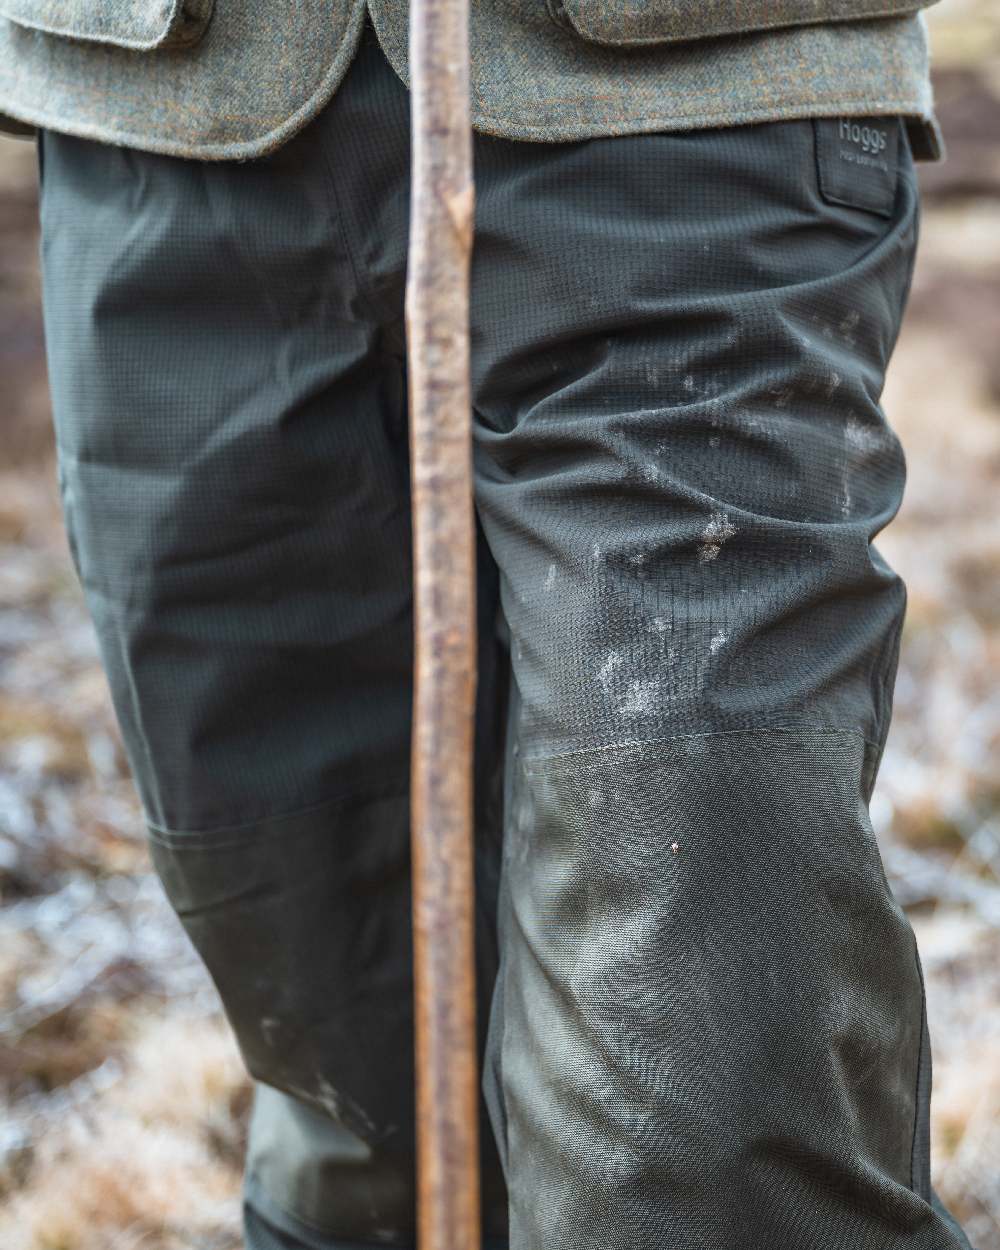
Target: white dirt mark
x,y
861,438
642,697
614,662
718,530
847,327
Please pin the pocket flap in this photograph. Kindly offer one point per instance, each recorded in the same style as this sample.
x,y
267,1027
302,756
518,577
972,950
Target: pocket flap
x,y
626,22
142,25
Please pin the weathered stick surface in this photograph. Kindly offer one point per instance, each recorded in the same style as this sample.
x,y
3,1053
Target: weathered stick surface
x,y
437,317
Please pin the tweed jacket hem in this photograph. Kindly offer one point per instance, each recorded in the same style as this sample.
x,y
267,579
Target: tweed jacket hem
x,y
258,75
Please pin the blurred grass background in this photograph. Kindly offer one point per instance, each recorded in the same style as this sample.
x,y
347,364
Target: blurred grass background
x,y
122,1101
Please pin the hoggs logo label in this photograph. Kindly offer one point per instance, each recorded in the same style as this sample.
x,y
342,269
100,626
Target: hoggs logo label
x,y
857,161
868,138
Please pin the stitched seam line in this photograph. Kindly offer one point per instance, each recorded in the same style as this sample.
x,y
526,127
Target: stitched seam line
x,y
210,839
920,1067
363,286
528,760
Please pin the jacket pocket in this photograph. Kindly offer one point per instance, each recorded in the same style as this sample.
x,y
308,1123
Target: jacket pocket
x,y
142,25
627,23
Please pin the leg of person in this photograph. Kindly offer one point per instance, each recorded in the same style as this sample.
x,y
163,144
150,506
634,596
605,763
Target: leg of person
x,y
231,434
708,1029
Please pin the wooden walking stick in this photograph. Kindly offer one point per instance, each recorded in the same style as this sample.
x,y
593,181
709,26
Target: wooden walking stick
x,y
437,321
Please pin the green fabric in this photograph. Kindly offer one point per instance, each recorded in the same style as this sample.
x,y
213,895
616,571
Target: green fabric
x,y
630,22
700,1006
263,68
133,24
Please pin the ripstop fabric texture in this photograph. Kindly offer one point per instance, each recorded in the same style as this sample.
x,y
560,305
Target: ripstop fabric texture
x,y
701,1007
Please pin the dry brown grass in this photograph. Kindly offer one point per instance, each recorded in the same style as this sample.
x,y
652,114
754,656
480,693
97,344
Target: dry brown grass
x,y
153,1161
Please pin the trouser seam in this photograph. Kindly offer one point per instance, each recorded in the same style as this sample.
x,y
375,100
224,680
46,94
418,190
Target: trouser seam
x,y
210,839
339,222
636,743
917,1108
